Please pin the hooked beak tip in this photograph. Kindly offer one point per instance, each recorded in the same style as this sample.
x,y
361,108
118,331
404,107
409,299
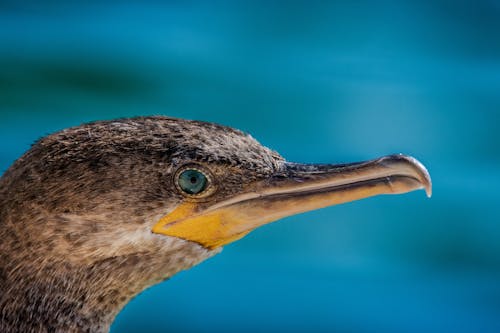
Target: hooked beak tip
x,y
420,170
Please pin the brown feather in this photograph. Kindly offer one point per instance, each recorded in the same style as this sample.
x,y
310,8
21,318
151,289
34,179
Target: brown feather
x,y
76,213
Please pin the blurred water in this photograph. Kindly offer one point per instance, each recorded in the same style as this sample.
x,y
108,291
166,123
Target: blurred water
x,y
319,82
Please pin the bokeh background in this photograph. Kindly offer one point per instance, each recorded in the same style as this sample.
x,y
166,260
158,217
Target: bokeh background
x,y
318,81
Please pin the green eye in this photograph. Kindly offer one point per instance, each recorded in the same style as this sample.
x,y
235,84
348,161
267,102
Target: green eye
x,y
192,181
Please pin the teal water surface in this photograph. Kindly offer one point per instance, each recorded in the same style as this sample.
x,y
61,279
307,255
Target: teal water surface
x,y
334,81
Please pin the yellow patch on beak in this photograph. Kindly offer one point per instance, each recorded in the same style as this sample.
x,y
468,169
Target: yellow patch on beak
x,y
210,230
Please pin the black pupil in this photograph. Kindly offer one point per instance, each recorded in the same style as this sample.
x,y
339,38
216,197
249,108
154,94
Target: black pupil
x,y
192,181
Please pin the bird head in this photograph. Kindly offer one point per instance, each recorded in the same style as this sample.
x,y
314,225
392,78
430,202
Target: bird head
x,y
147,185
92,215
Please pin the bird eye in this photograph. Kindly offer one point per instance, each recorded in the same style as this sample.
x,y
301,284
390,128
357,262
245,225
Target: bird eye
x,y
192,181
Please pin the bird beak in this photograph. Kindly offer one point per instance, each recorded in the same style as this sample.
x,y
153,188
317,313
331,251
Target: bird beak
x,y
296,188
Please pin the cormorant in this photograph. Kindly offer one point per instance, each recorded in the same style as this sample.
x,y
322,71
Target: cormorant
x,y
92,215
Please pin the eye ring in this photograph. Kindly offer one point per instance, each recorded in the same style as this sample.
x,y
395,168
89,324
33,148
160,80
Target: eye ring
x,y
193,181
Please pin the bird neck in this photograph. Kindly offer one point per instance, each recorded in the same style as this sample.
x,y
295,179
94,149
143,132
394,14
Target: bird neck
x,y
65,298
38,297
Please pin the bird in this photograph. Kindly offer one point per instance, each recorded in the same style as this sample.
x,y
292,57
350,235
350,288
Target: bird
x,y
92,215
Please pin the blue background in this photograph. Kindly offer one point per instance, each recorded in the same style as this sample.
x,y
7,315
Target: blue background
x,y
318,82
